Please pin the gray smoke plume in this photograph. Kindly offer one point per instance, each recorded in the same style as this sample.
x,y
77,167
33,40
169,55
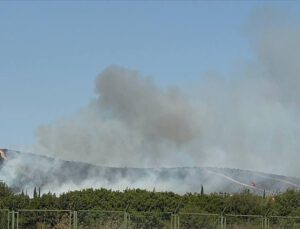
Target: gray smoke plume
x,y
131,123
249,121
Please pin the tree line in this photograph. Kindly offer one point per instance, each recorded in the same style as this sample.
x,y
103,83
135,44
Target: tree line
x,y
138,200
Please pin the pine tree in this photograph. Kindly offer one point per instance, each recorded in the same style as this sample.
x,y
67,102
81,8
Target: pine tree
x,y
34,193
202,190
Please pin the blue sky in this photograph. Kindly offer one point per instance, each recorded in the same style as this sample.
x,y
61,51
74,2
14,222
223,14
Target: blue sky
x,y
51,52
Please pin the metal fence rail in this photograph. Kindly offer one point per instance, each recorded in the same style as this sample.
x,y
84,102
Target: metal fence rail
x,y
97,219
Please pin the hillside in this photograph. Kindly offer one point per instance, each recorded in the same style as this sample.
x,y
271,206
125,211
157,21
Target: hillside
x,y
23,171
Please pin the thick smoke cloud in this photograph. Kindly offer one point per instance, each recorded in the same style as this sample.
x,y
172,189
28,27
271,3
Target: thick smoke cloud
x,y
131,123
249,121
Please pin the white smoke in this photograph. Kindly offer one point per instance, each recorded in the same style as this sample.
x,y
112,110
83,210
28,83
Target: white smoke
x,y
250,121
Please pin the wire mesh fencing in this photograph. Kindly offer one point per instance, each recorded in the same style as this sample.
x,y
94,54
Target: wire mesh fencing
x,y
96,219
197,221
4,219
150,220
43,219
283,222
244,221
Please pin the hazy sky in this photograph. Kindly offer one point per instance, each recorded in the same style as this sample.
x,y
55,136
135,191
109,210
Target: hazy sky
x,y
51,52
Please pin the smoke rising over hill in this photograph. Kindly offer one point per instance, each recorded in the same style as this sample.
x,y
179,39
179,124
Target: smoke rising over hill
x,y
250,120
131,122
22,172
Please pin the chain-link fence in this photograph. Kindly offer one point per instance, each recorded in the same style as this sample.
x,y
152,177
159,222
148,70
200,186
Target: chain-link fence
x,y
198,220
4,219
244,221
283,222
149,220
43,219
96,219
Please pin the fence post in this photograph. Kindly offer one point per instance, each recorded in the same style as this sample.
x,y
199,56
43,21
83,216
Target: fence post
x,y
8,220
70,220
223,222
17,223
125,220
75,220
175,221
266,223
13,219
